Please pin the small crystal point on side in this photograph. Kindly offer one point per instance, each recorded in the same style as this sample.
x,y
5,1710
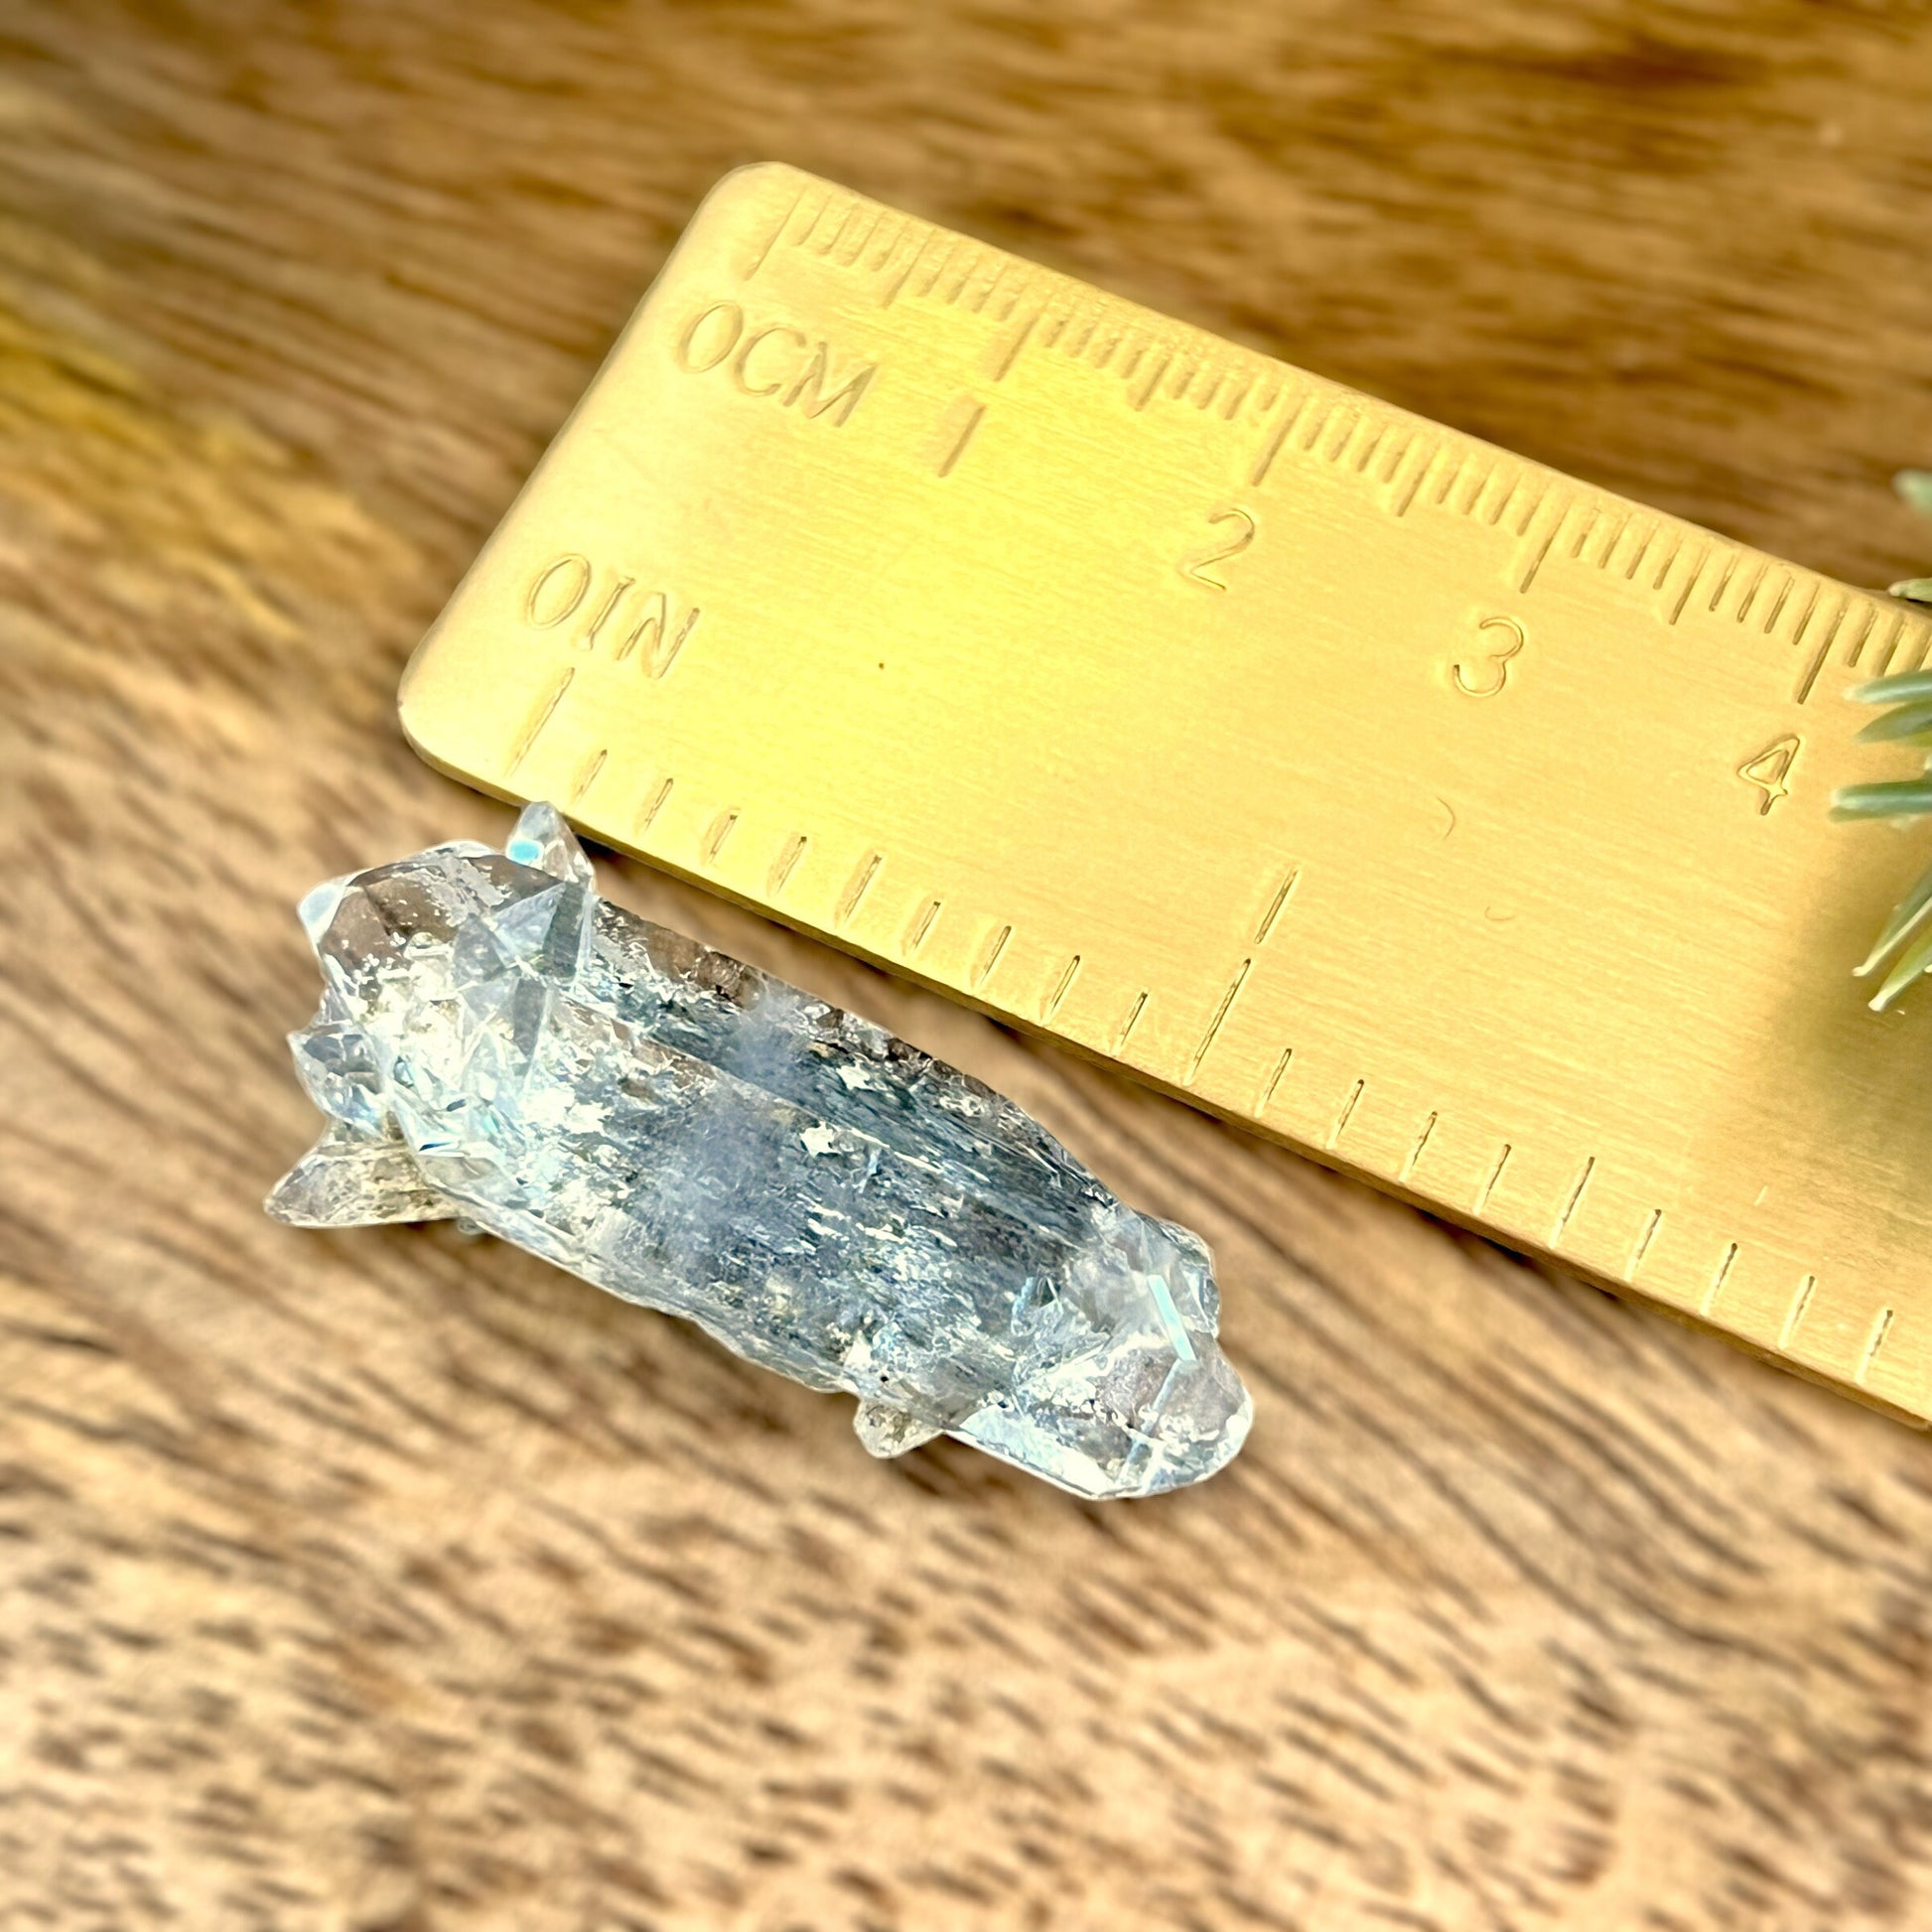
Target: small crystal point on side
x,y
347,1179
543,839
498,1043
888,1432
318,906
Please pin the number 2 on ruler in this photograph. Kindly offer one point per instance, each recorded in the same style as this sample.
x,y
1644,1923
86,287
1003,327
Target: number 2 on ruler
x,y
1219,551
1769,770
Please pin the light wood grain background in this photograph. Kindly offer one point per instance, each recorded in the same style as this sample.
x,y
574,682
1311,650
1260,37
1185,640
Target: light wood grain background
x,y
385,1582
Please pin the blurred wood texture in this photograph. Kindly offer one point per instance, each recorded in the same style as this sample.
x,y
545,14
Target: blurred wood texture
x,y
383,1581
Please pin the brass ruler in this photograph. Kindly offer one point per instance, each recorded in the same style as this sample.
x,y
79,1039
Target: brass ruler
x,y
1454,821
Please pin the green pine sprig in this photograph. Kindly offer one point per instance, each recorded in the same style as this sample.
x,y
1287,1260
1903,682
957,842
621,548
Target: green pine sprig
x,y
1907,941
1904,949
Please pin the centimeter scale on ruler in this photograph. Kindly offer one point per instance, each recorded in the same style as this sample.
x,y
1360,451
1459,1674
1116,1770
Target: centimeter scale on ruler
x,y
1447,819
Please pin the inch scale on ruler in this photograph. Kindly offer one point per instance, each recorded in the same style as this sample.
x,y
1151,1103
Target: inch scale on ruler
x,y
1456,822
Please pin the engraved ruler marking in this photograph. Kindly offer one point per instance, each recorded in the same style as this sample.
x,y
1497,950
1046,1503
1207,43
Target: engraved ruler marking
x,y
1644,1240
950,459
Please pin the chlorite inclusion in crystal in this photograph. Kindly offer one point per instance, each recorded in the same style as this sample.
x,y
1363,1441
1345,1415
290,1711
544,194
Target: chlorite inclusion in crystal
x,y
496,1043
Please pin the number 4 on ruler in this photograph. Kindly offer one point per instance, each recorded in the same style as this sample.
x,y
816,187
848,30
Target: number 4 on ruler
x,y
1771,770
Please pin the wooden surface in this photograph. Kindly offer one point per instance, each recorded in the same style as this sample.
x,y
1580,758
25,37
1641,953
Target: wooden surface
x,y
388,1582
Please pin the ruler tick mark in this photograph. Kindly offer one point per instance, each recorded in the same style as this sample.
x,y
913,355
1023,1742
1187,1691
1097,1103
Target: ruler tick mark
x,y
864,239
858,886
1778,603
1575,1197
1808,676
1796,1312
1804,622
1495,1175
965,435
1368,450
896,232
1637,555
1663,569
1882,663
975,261
1016,294
587,775
1856,648
811,227
1542,551
1214,1025
1408,497
1154,382
989,954
1528,517
721,828
831,246
1131,1020
985,294
1690,584
898,287
771,240
1272,447
1751,592
922,925
939,267
1881,1329
1830,629
1708,1299
1416,1151
1278,905
1347,1113
788,864
1069,972
1723,580
1644,1240
1013,348
1274,1079
540,715
655,807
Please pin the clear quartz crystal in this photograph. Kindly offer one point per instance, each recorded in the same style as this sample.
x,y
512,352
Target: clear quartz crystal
x,y
498,1043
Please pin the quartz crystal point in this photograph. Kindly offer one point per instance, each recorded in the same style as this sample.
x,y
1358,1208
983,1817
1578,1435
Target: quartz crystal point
x,y
496,1043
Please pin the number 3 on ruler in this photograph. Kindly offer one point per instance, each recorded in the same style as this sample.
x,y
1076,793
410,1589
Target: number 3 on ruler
x,y
1490,672
1221,549
1771,770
